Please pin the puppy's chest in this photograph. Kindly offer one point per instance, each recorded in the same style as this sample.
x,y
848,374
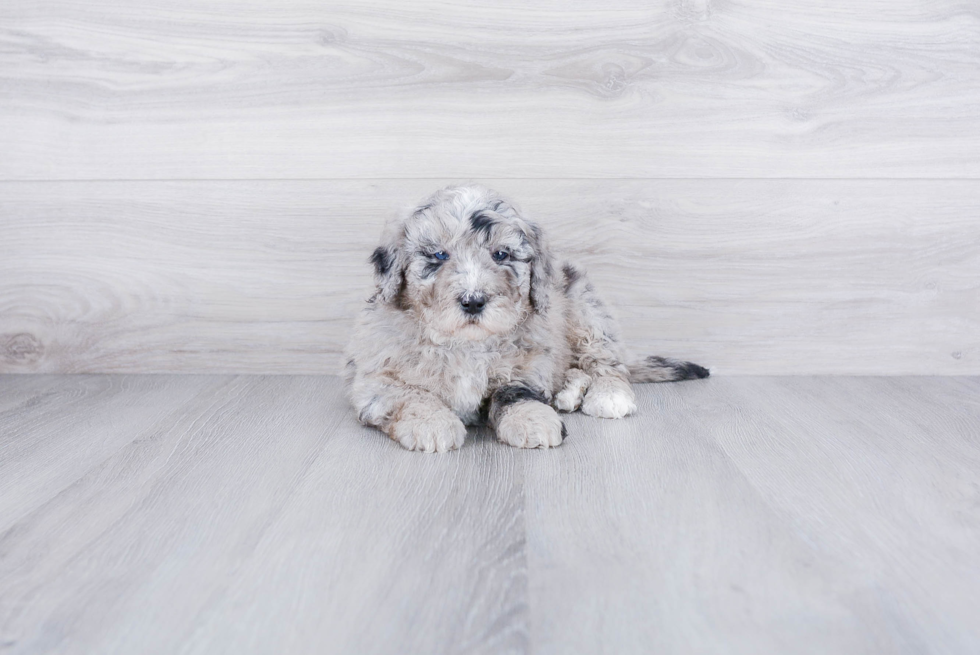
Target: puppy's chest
x,y
464,379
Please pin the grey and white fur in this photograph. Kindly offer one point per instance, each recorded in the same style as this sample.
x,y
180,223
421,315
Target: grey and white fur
x,y
474,320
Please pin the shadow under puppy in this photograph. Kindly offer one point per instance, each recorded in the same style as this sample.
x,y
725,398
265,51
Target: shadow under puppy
x,y
474,320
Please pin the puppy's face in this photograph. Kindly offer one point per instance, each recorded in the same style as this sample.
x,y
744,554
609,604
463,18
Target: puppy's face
x,y
466,264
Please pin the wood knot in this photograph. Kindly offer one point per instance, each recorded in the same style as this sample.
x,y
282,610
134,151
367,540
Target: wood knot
x,y
20,348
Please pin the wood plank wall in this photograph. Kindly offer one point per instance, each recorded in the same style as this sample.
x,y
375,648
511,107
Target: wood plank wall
x,y
765,187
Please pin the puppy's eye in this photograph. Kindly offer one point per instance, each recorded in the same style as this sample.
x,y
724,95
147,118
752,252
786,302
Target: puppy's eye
x,y
500,255
442,255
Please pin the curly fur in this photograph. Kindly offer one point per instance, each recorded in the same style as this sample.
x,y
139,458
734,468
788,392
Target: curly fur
x,y
420,367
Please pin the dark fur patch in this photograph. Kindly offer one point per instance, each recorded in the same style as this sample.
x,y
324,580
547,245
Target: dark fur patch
x,y
430,269
515,393
511,394
400,300
682,370
482,223
382,260
572,276
564,431
422,209
533,298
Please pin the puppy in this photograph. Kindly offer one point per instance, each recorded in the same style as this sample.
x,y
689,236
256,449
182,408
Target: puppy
x,y
473,320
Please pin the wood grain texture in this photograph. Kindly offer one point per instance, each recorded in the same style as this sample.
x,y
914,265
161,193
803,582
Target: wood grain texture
x,y
253,515
669,88
680,530
745,276
42,427
257,509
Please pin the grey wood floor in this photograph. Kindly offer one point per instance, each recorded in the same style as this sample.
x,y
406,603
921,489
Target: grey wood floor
x,y
251,514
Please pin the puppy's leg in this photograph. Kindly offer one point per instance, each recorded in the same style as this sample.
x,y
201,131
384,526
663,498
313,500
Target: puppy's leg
x,y
609,397
610,393
522,417
577,383
413,417
595,344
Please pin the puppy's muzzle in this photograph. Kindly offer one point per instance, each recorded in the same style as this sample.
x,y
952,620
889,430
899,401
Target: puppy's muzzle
x,y
473,303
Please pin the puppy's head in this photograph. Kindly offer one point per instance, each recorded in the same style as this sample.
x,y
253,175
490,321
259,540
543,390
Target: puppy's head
x,y
466,264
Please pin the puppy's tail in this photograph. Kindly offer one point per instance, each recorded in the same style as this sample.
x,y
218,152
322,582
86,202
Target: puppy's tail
x,y
664,369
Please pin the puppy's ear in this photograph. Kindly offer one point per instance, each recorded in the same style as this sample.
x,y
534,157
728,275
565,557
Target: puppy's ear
x,y
542,271
389,268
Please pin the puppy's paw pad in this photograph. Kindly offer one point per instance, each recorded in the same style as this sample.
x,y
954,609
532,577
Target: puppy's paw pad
x,y
531,424
438,433
609,398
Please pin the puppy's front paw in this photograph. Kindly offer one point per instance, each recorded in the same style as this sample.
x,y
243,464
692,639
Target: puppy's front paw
x,y
436,433
530,424
609,397
570,397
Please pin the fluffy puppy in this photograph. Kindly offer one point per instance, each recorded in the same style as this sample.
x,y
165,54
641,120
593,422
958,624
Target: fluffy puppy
x,y
474,321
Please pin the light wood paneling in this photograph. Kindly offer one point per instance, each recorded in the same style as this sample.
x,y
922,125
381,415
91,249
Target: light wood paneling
x,y
764,276
679,88
253,515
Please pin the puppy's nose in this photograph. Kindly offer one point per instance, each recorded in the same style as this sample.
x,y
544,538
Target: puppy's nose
x,y
473,303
